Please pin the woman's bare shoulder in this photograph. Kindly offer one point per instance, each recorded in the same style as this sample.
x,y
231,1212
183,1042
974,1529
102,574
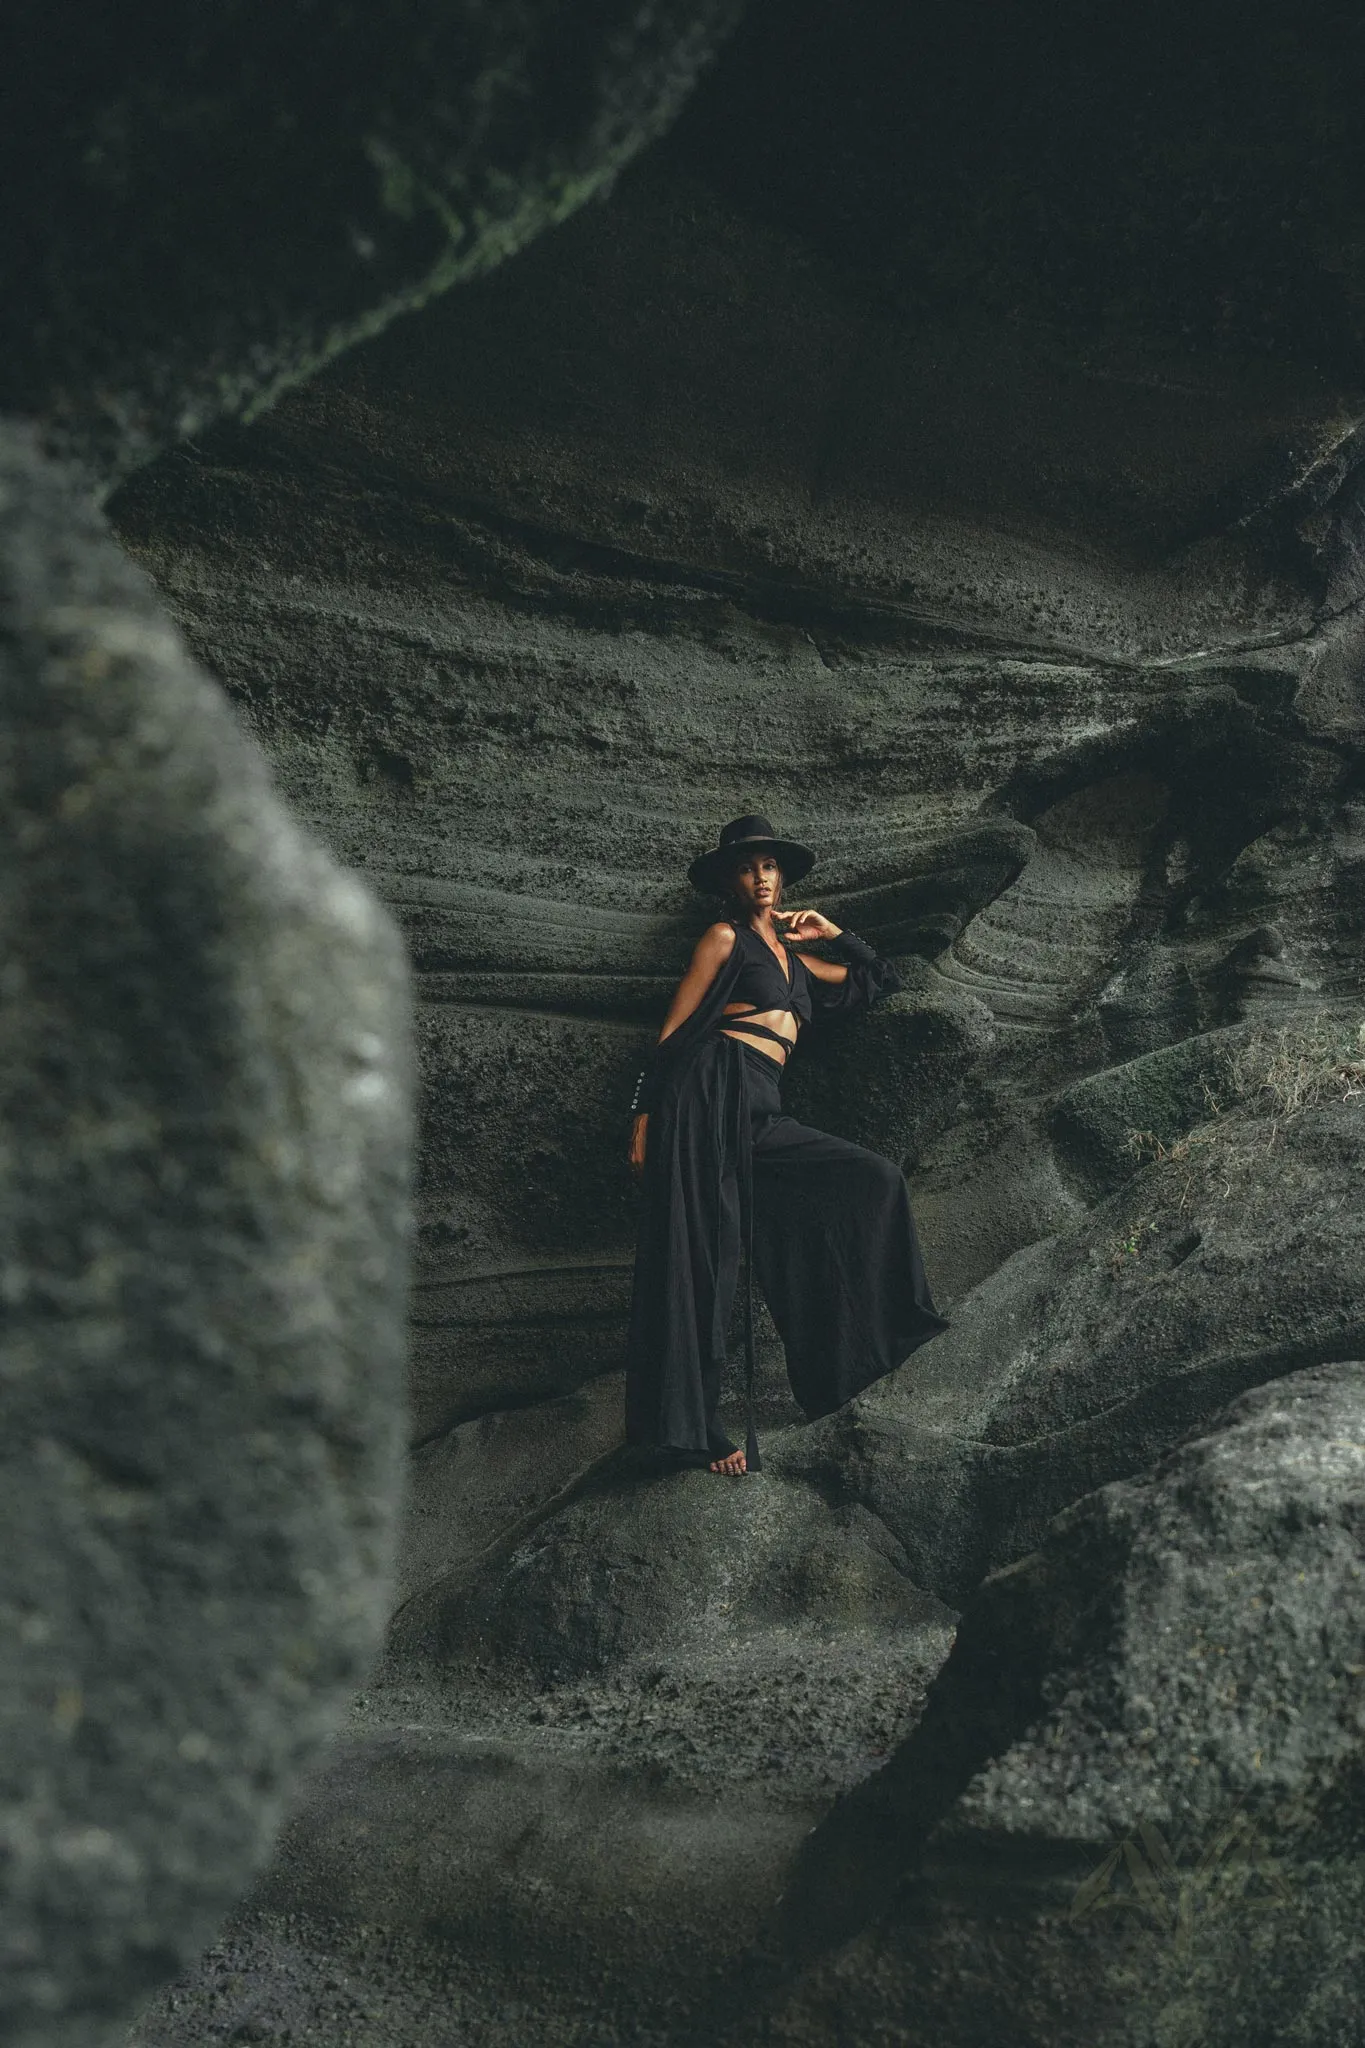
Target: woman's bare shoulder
x,y
717,940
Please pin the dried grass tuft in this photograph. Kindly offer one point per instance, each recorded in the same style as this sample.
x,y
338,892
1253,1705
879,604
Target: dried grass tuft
x,y
1145,1145
1321,1059
1317,1058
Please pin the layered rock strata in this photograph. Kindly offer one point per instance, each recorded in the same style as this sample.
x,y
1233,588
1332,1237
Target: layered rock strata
x,y
520,623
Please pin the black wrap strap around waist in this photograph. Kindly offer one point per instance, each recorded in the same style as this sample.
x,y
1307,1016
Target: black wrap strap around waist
x,y
745,1021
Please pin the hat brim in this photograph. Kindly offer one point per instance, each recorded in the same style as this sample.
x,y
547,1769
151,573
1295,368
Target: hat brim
x,y
708,873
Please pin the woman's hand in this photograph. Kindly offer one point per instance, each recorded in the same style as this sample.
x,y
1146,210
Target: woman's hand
x,y
635,1158
805,924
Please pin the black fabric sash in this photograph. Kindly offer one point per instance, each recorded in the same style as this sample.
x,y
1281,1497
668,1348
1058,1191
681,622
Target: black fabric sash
x,y
744,1174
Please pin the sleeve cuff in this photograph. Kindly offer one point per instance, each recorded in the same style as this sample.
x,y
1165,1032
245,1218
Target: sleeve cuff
x,y
853,949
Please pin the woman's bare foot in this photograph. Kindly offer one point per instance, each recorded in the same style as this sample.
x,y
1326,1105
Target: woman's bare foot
x,y
734,1464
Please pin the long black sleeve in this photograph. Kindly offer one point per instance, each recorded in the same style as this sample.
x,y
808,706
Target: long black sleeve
x,y
869,978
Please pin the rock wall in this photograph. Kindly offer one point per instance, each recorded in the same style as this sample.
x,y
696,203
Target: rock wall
x,y
1055,661
526,599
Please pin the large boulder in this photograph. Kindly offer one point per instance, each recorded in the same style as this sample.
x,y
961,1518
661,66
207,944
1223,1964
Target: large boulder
x,y
470,1486
203,1231
577,1785
1231,1257
633,1566
1134,1806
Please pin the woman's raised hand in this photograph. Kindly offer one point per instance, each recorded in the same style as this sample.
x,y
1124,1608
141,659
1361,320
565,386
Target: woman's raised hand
x,y
805,924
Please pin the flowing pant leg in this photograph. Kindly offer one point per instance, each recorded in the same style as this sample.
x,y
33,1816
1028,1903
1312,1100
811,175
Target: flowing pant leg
x,y
837,1256
727,1279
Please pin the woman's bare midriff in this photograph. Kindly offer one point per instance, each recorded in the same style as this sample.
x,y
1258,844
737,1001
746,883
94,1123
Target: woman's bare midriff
x,y
781,1021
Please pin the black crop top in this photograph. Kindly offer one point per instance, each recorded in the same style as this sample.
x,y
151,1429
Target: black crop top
x,y
759,980
762,983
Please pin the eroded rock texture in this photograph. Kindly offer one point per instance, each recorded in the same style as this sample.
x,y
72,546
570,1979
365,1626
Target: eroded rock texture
x,y
204,207
203,1209
1131,1810
948,444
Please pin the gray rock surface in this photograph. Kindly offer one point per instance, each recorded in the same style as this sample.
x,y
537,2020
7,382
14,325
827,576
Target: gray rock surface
x,y
576,1826
203,208
635,1566
1132,1809
530,757
204,1210
470,1486
1227,1263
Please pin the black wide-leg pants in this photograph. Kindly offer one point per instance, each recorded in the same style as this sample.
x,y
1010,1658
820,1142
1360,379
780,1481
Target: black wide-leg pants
x,y
835,1254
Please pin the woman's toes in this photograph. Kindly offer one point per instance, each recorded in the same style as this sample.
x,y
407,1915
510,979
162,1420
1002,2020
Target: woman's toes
x,y
733,1464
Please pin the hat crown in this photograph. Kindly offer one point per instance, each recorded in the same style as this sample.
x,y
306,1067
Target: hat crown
x,y
710,870
746,828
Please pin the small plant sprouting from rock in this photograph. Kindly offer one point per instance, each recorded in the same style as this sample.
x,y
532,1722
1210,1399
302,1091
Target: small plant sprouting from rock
x,y
1129,1246
1234,1871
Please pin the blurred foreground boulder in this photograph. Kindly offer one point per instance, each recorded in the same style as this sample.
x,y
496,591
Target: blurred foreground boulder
x,y
204,1168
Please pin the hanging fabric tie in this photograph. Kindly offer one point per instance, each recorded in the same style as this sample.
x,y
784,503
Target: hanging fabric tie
x,y
745,1170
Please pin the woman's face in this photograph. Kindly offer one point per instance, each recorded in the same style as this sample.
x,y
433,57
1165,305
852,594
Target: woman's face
x,y
757,882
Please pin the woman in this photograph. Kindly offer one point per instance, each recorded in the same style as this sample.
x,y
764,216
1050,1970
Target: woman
x,y
825,1224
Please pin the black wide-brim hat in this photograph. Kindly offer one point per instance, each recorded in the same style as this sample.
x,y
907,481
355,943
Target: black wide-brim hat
x,y
748,835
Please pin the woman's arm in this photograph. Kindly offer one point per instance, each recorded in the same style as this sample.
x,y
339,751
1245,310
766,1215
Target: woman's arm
x,y
810,924
825,970
861,976
713,949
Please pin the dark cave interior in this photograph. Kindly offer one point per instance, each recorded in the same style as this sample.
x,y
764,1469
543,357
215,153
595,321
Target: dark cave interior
x,y
450,460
